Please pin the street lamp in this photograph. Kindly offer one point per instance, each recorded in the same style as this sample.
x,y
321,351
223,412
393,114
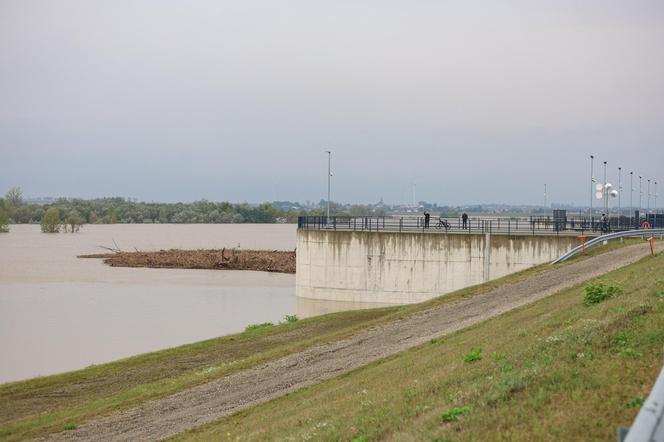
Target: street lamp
x,y
592,187
640,193
631,190
619,191
604,193
648,210
329,174
655,196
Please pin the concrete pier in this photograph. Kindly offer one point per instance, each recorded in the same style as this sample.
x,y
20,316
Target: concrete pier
x,y
409,267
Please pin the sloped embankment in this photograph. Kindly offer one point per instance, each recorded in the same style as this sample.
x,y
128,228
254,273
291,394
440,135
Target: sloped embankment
x,y
224,259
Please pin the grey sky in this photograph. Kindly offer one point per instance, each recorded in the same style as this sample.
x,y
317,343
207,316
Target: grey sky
x,y
237,100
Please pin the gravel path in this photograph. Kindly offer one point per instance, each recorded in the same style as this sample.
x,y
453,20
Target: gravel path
x,y
206,403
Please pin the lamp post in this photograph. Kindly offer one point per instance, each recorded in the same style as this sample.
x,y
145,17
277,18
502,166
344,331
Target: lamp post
x,y
640,193
604,193
655,196
545,195
631,194
631,190
329,175
648,209
592,187
619,190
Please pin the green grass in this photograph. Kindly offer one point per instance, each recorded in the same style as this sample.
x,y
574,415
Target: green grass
x,y
38,406
561,369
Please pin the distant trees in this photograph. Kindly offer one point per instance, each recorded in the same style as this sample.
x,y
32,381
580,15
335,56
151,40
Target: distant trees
x,y
51,221
4,221
118,210
13,201
73,222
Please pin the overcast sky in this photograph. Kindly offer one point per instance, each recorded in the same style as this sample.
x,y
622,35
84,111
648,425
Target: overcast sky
x,y
473,101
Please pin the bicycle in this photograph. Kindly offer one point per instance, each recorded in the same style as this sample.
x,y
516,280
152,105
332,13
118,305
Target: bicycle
x,y
443,224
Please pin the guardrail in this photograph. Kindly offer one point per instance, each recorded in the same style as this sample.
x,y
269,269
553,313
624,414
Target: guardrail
x,y
649,423
506,225
600,239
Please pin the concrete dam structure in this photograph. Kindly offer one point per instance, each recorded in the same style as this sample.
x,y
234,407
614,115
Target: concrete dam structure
x,y
409,267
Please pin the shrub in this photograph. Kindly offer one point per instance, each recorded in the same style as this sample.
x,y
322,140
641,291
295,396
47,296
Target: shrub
x,y
291,318
597,292
473,355
454,414
4,221
254,327
636,402
70,427
51,221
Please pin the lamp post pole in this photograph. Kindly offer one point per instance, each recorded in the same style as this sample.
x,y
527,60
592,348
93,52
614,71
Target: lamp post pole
x,y
640,193
592,188
606,199
631,190
619,190
648,209
631,195
329,175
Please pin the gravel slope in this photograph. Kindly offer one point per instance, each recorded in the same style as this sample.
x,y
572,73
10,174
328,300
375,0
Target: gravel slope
x,y
206,403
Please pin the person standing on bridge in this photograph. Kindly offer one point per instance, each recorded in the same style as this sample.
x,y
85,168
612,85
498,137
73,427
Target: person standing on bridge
x,y
464,220
605,223
426,219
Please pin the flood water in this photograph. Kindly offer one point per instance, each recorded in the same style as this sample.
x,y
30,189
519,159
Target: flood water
x,y
60,313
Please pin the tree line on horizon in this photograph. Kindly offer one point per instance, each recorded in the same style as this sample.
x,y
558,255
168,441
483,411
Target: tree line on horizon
x,y
75,212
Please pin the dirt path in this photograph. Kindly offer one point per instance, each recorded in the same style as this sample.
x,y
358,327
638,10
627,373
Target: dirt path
x,y
206,403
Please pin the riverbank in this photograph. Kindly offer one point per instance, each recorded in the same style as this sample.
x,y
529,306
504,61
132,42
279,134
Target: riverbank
x,y
557,369
48,404
219,259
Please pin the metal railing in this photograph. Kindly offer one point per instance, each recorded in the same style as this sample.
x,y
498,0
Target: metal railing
x,y
533,225
615,235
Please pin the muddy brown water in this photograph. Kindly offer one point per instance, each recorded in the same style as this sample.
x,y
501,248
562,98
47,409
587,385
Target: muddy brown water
x,y
60,313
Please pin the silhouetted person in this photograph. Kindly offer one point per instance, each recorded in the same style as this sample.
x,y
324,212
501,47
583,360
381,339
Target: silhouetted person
x,y
464,220
604,223
426,219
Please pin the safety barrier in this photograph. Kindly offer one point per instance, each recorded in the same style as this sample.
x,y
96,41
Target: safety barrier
x,y
615,235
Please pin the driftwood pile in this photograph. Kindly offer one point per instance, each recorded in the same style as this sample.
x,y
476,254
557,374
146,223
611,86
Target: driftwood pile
x,y
224,259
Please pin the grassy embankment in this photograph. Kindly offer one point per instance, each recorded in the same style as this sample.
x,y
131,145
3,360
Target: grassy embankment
x,y
47,404
557,369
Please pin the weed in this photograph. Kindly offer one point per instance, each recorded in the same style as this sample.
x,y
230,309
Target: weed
x,y
473,355
659,294
597,292
624,339
291,318
636,402
631,353
454,414
499,356
254,327
522,333
437,341
70,427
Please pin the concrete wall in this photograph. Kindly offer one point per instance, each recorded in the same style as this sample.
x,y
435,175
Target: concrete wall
x,y
392,267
